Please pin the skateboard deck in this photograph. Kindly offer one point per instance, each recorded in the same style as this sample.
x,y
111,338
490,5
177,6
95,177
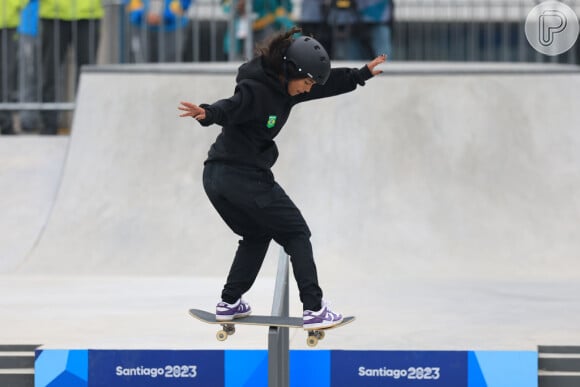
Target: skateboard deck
x,y
228,327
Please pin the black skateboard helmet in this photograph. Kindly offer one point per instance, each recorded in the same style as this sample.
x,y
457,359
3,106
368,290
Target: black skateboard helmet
x,y
310,59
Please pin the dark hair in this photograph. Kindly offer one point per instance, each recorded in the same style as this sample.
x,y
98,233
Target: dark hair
x,y
274,49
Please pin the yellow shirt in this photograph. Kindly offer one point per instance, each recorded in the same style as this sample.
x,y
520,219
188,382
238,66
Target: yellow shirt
x,y
10,12
71,9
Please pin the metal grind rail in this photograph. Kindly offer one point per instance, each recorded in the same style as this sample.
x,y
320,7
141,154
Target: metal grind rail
x,y
278,337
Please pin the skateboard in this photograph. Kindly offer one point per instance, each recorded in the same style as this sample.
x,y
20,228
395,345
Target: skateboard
x,y
229,327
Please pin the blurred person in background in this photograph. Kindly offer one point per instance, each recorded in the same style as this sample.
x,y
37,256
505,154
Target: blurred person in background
x,y
313,15
63,24
29,66
376,21
269,16
9,20
157,29
343,21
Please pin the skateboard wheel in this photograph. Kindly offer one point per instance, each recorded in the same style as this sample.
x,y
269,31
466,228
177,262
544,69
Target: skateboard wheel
x,y
221,335
321,335
312,341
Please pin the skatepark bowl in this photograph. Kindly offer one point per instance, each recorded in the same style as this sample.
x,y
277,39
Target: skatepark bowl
x,y
443,199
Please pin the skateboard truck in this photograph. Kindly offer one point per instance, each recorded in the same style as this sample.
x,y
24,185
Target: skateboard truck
x,y
314,335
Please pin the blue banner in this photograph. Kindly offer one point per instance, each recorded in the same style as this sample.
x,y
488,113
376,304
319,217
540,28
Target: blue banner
x,y
61,368
399,368
142,368
503,368
243,368
308,368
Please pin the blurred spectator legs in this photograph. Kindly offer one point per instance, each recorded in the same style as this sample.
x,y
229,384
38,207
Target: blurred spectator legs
x,y
28,80
57,37
152,46
346,45
8,76
379,38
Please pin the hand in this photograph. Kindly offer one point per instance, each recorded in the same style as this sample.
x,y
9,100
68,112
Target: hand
x,y
375,62
192,110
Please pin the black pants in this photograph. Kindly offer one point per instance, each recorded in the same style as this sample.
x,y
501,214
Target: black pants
x,y
57,36
255,207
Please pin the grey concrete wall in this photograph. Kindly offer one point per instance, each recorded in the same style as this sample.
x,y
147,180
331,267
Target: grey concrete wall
x,y
413,175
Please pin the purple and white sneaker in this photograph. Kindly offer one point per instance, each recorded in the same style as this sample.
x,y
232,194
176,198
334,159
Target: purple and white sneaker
x,y
228,312
324,318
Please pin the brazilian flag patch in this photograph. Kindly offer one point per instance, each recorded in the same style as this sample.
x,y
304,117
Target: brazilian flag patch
x,y
271,122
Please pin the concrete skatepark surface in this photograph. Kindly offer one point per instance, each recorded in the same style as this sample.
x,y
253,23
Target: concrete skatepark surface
x,y
444,207
30,170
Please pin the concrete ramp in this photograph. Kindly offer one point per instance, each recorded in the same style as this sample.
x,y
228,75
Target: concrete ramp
x,y
130,201
30,170
467,172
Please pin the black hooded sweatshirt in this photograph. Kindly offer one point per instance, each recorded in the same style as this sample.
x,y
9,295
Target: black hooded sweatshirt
x,y
258,110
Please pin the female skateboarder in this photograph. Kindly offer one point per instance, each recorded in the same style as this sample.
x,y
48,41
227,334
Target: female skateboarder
x,y
237,175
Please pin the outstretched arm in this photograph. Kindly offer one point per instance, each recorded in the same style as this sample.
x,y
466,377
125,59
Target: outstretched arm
x,y
343,80
223,112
